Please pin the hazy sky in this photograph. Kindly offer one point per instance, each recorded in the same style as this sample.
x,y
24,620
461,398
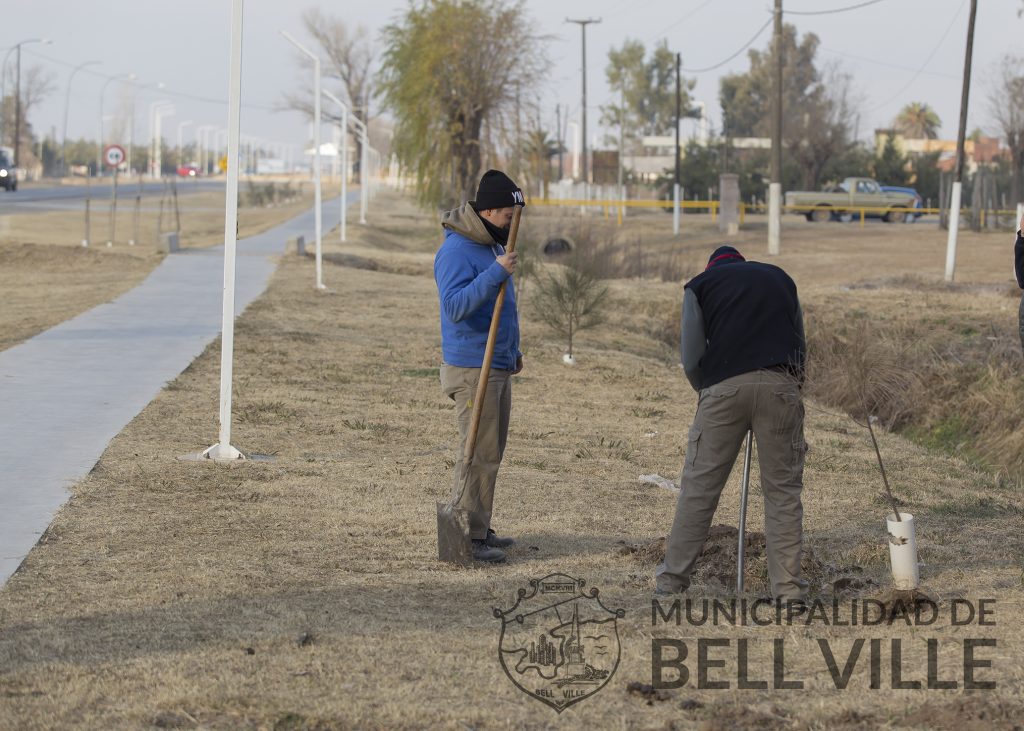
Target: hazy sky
x,y
897,51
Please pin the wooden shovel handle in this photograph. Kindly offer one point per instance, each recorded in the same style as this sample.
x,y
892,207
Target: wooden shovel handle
x,y
492,337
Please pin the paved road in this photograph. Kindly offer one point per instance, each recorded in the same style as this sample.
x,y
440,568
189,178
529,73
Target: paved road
x,y
67,392
72,197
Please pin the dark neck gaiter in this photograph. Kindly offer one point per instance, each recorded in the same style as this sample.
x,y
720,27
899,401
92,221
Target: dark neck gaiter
x,y
500,235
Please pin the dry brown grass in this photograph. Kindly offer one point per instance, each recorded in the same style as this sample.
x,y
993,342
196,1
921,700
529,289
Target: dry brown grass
x,y
46,276
305,592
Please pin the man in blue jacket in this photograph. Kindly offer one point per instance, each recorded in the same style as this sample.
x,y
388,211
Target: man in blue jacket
x,y
469,269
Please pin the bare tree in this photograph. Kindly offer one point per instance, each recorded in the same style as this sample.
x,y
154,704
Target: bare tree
x,y
36,84
348,60
1006,104
820,129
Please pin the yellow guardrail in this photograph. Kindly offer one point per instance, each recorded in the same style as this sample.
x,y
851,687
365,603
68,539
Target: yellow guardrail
x,y
861,212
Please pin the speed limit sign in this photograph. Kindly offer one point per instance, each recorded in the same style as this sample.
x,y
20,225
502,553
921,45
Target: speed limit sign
x,y
113,155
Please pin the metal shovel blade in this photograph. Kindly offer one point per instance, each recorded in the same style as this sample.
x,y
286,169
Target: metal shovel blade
x,y
453,542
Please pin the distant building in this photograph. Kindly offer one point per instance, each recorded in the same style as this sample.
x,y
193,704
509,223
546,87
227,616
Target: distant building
x,y
983,151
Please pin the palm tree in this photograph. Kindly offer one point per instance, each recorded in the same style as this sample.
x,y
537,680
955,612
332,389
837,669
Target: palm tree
x,y
539,148
918,121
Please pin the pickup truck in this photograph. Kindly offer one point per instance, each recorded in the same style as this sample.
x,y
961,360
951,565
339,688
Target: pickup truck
x,y
850,196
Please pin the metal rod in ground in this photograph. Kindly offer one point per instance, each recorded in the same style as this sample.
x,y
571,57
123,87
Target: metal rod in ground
x,y
744,488
885,479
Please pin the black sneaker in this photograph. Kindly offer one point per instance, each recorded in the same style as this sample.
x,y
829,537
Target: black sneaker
x,y
494,541
483,552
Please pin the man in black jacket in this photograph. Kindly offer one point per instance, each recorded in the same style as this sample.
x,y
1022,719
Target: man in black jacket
x,y
1018,268
743,350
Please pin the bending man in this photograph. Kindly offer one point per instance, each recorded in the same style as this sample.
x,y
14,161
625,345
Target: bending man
x,y
743,350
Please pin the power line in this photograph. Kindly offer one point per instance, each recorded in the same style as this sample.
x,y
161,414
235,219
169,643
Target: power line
x,y
673,24
741,50
887,64
926,61
165,90
831,12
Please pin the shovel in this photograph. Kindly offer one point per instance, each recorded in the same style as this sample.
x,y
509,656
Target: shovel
x,y
744,488
453,539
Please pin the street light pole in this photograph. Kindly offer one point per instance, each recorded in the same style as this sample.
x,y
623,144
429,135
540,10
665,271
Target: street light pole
x,y
316,156
99,143
67,105
131,123
343,224
157,110
364,173
181,126
583,23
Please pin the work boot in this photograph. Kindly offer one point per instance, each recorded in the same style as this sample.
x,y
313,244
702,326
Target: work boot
x,y
494,541
483,552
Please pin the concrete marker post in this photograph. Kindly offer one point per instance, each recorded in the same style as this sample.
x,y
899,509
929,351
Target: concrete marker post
x,y
675,209
774,218
113,212
954,226
88,200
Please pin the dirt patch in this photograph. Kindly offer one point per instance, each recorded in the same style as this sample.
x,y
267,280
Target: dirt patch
x,y
716,567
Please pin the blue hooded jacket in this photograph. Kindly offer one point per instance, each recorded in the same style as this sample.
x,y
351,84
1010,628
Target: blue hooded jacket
x,y
468,278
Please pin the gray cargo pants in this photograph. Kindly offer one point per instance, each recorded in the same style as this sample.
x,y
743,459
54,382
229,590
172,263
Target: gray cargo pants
x,y
459,384
769,403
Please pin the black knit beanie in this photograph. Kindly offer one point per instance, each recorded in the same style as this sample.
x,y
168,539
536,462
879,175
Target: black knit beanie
x,y
497,190
724,255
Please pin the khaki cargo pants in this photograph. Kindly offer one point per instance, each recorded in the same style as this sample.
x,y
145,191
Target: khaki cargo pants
x,y
769,403
459,384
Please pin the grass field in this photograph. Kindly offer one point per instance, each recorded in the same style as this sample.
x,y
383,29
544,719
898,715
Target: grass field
x,y
304,592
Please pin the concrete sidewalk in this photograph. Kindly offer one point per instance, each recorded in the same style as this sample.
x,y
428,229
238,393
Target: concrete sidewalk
x,y
67,392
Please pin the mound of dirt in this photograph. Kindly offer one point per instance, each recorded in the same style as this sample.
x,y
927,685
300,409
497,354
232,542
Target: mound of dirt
x,y
716,567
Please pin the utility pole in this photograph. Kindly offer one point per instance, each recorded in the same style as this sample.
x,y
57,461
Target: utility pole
x,y
561,140
775,187
954,204
679,111
17,112
583,23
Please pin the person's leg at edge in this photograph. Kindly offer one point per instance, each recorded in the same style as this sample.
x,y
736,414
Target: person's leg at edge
x,y
715,439
779,431
459,384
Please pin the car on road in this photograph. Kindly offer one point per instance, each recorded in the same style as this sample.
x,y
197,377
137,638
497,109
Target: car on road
x,y
918,203
848,198
8,175
188,171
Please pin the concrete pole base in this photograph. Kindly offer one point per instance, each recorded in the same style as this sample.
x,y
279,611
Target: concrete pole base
x,y
222,453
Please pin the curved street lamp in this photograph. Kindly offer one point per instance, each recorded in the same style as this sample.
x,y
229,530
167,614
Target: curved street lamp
x,y
316,154
99,142
131,124
67,105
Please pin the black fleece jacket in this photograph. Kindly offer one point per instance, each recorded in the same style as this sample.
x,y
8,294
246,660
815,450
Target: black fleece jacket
x,y
1018,260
